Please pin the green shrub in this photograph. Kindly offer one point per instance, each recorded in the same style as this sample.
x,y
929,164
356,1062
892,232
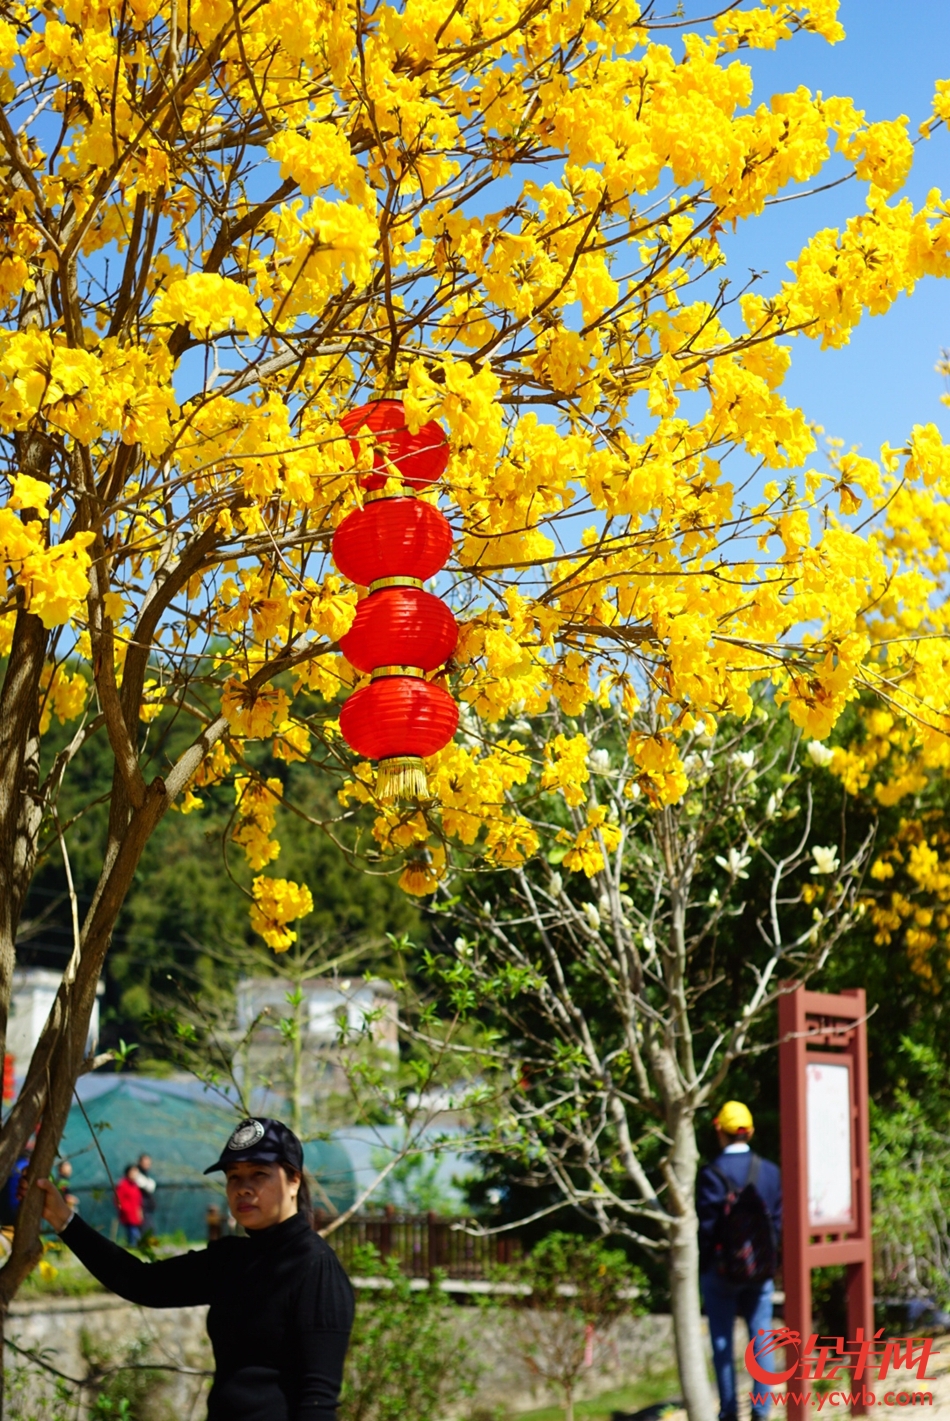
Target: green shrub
x,y
117,1387
910,1183
122,1388
405,1359
579,1288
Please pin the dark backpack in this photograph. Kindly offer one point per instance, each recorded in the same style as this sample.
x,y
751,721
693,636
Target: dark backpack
x,y
744,1238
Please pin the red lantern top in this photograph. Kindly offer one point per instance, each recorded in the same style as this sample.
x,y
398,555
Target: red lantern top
x,y
394,537
418,459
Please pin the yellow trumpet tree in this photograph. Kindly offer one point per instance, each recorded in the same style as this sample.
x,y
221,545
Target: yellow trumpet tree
x,y
893,757
225,223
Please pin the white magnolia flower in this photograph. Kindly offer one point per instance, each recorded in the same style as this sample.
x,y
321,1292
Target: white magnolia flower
x,y
771,806
713,900
599,761
557,883
745,758
633,791
826,860
735,863
592,916
819,754
521,727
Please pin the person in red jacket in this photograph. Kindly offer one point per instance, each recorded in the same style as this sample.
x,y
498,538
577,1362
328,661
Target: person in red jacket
x,y
128,1200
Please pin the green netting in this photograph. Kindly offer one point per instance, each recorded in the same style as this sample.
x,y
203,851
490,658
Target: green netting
x,y
183,1136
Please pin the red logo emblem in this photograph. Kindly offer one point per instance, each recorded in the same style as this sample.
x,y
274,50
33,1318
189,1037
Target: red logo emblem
x,y
774,1339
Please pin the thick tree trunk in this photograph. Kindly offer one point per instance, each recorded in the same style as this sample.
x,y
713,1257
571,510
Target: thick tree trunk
x,y
688,1329
18,717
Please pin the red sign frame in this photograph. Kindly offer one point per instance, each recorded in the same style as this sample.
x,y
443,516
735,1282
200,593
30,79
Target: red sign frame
x,y
831,1027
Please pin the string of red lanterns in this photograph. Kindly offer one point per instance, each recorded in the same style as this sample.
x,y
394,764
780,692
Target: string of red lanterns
x,y
401,633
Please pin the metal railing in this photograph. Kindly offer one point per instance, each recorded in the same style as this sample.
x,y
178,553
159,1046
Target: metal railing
x,y
424,1244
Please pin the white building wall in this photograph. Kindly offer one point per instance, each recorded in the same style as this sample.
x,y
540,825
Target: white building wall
x,y
34,991
326,1002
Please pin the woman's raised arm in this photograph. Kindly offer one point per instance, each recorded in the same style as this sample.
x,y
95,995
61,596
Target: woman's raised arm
x,y
183,1281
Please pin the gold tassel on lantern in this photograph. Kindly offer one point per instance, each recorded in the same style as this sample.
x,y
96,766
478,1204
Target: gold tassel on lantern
x,y
402,777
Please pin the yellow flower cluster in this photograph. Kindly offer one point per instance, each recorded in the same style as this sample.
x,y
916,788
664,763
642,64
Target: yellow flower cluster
x,y
595,839
506,216
64,695
257,802
277,902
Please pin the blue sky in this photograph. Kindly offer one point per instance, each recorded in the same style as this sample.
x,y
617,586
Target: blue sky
x,y
884,382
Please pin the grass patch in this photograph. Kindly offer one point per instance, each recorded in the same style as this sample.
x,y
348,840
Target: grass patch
x,y
59,1275
655,1387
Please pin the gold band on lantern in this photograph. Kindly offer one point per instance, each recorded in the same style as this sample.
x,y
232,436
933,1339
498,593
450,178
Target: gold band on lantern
x,y
374,495
380,582
382,671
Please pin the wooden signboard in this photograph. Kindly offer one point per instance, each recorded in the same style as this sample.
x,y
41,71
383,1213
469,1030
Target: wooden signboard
x,y
823,1090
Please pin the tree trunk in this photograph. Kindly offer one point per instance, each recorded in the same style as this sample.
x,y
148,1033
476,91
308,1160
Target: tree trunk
x,y
688,1330
568,1403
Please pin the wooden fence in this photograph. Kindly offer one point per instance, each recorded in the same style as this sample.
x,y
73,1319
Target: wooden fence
x,y
423,1243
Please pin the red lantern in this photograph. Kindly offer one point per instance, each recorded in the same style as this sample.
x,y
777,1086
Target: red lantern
x,y
399,720
390,538
400,626
418,459
400,631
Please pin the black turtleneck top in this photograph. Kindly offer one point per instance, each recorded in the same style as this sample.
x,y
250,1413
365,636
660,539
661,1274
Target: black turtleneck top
x,y
281,1309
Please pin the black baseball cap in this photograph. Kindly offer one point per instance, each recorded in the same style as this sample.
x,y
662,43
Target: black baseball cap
x,y
268,1140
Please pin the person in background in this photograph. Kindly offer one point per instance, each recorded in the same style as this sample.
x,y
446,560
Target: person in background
x,y
128,1200
12,1191
64,1178
143,1178
739,1206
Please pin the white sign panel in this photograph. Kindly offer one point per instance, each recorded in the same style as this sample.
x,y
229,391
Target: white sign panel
x,y
828,1106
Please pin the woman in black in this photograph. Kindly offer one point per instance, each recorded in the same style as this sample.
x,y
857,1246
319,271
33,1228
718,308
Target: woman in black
x,y
281,1306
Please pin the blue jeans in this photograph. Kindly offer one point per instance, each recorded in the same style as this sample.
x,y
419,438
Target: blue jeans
x,y
723,1302
133,1233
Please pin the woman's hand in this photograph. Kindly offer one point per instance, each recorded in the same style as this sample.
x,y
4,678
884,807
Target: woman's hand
x,y
56,1211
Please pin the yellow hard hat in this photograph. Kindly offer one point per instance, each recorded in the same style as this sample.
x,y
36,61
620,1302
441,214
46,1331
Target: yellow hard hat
x,y
734,1117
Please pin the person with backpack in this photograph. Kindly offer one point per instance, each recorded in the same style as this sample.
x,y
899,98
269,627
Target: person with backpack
x,y
739,1206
